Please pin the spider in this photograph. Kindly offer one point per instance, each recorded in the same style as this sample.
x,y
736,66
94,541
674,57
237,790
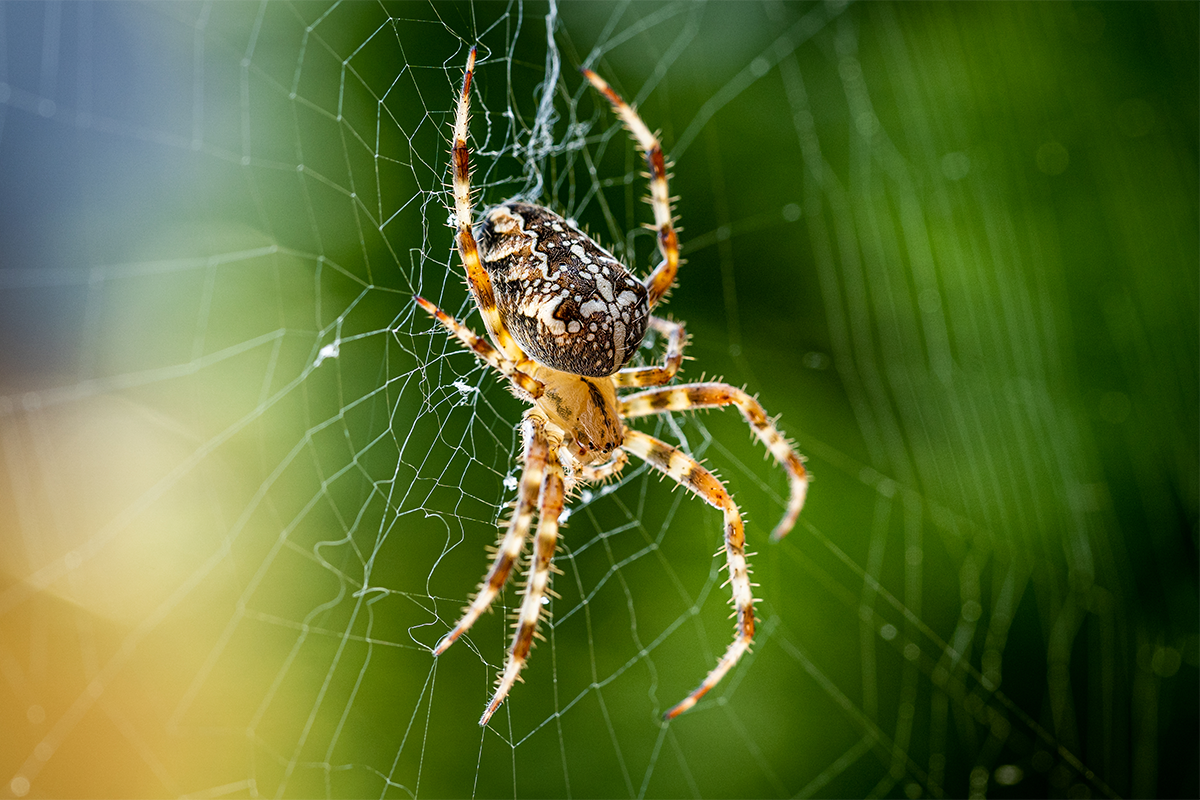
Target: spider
x,y
564,317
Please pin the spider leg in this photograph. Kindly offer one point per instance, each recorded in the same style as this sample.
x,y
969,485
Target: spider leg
x,y
687,472
672,359
661,280
534,458
477,277
539,583
716,395
593,473
489,355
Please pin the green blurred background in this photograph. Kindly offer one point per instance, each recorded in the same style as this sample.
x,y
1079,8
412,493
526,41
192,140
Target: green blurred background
x,y
245,488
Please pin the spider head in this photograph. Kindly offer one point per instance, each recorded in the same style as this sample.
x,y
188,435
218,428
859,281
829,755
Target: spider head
x,y
589,453
586,411
566,300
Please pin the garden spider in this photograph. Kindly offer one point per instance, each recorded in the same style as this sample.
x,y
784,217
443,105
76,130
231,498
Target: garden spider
x,y
564,317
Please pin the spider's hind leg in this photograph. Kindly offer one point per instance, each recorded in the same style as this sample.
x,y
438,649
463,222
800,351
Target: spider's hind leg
x,y
663,277
687,472
468,249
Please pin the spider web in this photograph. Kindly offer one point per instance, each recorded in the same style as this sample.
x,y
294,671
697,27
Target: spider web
x,y
247,485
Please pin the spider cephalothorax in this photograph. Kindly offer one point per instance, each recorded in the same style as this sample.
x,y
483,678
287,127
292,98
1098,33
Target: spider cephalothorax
x,y
564,317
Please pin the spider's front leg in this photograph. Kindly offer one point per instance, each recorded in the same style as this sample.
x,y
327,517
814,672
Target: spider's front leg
x,y
716,395
686,471
534,457
538,585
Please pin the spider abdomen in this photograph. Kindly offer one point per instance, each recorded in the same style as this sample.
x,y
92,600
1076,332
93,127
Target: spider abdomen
x,y
568,302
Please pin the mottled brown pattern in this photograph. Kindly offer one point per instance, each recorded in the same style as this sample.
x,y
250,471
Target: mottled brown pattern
x,y
568,302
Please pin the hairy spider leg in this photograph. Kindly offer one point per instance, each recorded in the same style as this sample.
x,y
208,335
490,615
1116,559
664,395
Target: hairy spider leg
x,y
537,586
486,353
663,276
716,395
672,358
594,473
687,472
535,456
477,278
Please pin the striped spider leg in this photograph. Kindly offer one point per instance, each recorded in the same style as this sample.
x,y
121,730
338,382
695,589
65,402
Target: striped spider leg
x,y
672,359
692,396
538,585
598,473
526,386
541,487
534,456
688,473
478,279
663,276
